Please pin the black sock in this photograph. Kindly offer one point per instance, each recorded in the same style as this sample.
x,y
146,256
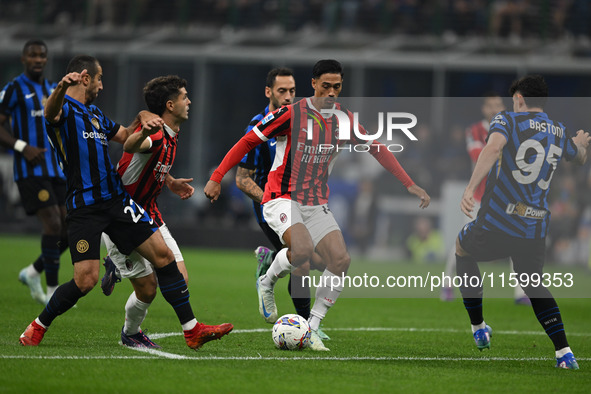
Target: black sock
x,y
50,251
466,267
548,315
300,295
174,290
63,244
39,265
65,296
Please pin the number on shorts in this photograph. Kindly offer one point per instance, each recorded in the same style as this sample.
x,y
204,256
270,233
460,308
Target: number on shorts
x,y
134,215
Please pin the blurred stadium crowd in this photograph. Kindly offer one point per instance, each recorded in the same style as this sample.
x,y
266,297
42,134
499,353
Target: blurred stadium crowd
x,y
514,18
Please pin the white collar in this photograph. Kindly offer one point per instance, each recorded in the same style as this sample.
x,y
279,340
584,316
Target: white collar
x,y
170,131
325,116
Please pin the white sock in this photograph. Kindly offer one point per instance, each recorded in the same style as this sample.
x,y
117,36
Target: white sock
x,y
32,272
278,269
135,313
50,291
41,324
326,295
563,351
190,325
478,327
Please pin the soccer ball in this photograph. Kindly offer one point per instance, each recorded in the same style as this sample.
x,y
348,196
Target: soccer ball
x,y
291,332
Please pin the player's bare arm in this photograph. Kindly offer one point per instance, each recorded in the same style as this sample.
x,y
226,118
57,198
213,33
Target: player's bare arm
x,y
55,101
180,186
146,119
582,141
33,154
212,190
421,194
138,142
245,182
489,155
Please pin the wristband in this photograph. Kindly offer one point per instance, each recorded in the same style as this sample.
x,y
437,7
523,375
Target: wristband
x,y
19,146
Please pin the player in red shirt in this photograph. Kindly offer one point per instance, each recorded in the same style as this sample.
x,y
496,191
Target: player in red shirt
x,y
144,170
296,194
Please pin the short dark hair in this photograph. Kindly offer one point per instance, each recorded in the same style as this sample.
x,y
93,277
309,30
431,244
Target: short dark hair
x,y
161,89
278,72
32,42
83,62
533,88
327,67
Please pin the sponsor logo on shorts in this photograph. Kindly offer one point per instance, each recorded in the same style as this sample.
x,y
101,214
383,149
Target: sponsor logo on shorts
x,y
128,264
523,210
82,246
43,195
283,218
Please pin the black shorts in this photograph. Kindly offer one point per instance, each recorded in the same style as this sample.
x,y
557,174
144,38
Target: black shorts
x,y
39,192
127,224
528,255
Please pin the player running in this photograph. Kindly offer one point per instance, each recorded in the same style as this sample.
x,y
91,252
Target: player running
x,y
296,195
523,150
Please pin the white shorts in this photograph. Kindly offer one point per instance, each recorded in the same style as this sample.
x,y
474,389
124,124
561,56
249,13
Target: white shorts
x,y
134,265
282,213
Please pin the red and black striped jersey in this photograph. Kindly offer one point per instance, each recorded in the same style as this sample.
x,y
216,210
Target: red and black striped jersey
x,y
143,173
307,144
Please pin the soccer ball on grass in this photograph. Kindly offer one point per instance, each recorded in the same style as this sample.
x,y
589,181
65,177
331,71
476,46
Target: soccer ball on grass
x,y
291,332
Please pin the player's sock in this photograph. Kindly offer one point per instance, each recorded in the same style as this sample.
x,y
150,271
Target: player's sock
x,y
466,266
37,267
476,327
50,291
326,296
548,315
189,325
300,295
65,297
63,244
278,269
175,291
51,258
135,313
563,351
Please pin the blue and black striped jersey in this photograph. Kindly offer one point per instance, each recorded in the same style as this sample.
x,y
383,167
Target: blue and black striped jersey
x,y
260,159
515,198
80,139
22,100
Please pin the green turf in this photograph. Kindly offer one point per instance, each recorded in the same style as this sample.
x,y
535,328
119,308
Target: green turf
x,y
423,345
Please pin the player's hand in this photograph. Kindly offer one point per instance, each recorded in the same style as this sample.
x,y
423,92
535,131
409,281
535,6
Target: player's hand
x,y
146,116
212,190
420,193
582,138
72,79
152,126
34,155
467,203
181,187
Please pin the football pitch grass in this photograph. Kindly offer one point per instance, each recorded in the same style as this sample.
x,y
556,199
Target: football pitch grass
x,y
378,344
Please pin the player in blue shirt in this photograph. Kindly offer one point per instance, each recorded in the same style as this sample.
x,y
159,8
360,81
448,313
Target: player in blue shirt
x,y
523,150
97,203
40,181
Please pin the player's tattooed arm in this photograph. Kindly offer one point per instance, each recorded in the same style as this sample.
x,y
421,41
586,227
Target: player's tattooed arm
x,y
245,182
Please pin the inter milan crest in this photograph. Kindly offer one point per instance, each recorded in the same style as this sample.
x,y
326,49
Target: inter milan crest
x,y
95,123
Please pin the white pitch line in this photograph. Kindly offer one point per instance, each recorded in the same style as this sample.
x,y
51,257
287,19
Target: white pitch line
x,y
295,358
391,329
